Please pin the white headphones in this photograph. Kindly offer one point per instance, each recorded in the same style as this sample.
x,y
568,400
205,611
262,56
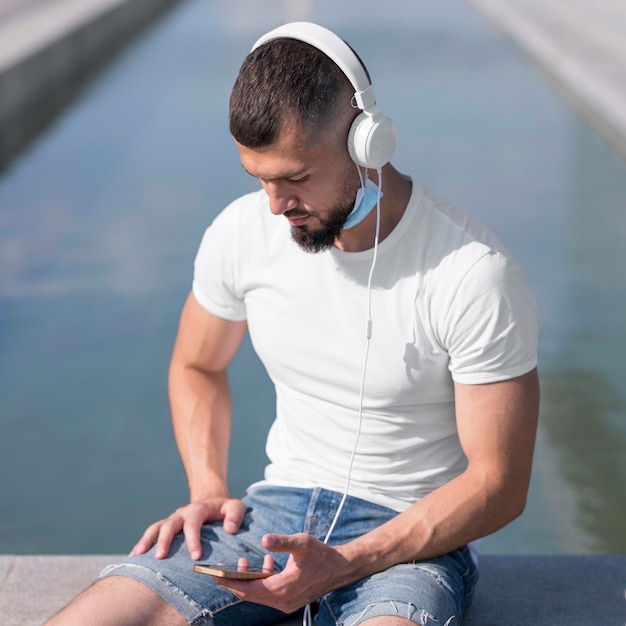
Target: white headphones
x,y
372,136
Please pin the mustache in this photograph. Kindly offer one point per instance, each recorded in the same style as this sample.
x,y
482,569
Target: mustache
x,y
296,213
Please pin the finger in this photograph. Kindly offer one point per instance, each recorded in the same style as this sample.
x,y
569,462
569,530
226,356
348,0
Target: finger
x,y
242,564
285,543
193,531
233,511
268,563
166,534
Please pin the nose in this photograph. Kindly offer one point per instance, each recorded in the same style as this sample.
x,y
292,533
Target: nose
x,y
281,198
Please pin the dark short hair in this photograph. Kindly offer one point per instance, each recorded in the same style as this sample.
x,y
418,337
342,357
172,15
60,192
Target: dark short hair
x,y
284,80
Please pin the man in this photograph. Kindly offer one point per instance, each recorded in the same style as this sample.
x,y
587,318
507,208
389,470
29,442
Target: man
x,y
401,338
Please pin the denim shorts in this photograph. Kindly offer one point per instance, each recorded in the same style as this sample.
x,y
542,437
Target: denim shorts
x,y
433,592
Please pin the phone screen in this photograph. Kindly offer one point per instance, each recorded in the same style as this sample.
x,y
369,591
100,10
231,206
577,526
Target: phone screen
x,y
232,571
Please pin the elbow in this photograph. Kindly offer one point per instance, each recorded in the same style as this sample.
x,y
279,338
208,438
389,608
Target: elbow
x,y
504,496
513,498
516,508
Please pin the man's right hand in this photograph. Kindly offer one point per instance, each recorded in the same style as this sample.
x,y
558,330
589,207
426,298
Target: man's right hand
x,y
190,519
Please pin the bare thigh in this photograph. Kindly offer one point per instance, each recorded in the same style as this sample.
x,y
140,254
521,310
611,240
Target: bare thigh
x,y
118,600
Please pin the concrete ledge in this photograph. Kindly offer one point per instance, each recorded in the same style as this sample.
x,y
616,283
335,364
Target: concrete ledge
x,y
49,45
586,590
581,45
513,590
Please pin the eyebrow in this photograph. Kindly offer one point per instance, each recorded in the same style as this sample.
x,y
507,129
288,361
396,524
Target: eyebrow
x,y
294,174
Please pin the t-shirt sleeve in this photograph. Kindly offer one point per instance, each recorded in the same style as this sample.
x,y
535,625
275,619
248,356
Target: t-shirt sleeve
x,y
215,269
491,325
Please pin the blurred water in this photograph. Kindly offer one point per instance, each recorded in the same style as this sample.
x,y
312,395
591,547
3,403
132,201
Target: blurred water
x,y
101,217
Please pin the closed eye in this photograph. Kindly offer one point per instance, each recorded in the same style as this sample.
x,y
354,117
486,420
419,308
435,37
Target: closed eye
x,y
296,178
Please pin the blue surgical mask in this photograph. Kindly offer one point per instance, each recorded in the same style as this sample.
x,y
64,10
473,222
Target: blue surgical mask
x,y
366,200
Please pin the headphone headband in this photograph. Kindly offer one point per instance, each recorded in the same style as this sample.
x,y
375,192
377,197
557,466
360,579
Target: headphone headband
x,y
333,47
372,136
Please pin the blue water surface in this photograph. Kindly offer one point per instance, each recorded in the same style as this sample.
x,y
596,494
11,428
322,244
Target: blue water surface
x,y
101,216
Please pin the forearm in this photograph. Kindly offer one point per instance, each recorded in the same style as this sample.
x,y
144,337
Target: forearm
x,y
468,507
201,415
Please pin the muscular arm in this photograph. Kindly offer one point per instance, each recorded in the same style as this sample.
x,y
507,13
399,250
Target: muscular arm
x,y
201,414
497,424
200,396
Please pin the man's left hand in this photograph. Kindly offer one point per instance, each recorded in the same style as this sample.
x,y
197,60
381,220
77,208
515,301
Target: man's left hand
x,y
313,569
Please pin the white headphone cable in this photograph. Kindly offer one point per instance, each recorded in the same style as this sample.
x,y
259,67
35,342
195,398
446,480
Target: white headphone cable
x,y
306,618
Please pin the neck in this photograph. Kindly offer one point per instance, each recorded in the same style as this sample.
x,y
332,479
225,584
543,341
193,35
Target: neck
x,y
397,191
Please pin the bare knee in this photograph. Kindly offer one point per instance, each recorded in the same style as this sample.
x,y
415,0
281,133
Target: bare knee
x,y
118,600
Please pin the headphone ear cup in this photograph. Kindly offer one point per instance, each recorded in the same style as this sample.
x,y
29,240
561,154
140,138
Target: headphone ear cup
x,y
372,140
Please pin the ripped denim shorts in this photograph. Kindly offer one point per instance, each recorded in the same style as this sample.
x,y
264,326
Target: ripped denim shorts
x,y
429,593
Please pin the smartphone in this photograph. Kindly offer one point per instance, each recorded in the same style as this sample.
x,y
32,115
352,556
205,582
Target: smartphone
x,y
232,571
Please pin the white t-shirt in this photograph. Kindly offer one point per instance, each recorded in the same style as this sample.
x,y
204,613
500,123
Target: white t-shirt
x,y
448,304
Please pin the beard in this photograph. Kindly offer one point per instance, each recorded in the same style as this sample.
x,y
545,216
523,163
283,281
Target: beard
x,y
324,236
